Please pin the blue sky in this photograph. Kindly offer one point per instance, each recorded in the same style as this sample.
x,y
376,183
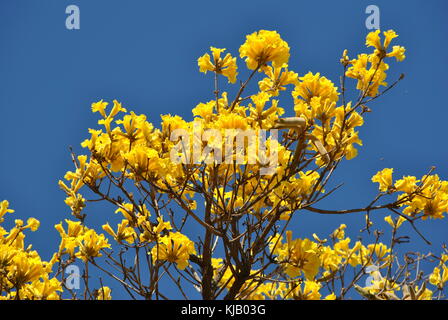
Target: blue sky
x,y
144,53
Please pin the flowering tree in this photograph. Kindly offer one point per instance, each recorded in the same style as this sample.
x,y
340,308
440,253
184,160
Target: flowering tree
x,y
208,205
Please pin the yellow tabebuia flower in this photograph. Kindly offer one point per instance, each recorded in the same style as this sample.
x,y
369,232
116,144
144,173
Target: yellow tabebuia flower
x,y
124,232
408,184
339,233
100,107
276,79
370,69
104,293
438,279
308,290
380,250
262,47
90,245
373,40
298,256
204,110
23,274
314,85
4,209
225,66
398,53
174,247
46,289
431,200
88,242
151,231
384,178
394,223
25,268
33,224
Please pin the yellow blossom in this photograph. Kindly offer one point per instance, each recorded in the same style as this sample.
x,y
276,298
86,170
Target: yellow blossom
x,y
174,247
225,66
104,293
262,47
384,178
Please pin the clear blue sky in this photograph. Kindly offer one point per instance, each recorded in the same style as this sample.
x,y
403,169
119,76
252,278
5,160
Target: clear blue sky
x,y
144,53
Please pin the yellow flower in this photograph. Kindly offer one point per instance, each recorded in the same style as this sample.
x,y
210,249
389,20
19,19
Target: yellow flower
x,y
26,267
4,209
225,66
370,72
151,232
100,107
161,225
308,291
277,79
381,250
425,294
116,108
132,123
339,233
171,123
370,69
330,259
398,53
438,279
314,85
407,184
204,110
394,223
388,36
431,200
90,245
33,224
104,293
373,40
331,296
260,100
384,178
123,232
232,121
262,47
46,289
299,256
144,161
174,247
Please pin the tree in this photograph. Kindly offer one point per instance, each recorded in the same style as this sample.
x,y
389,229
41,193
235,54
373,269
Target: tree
x,y
221,179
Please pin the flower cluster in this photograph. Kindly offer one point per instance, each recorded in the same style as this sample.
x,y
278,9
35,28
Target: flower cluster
x,y
77,236
262,47
23,274
174,247
370,69
315,99
225,66
427,196
305,257
306,264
